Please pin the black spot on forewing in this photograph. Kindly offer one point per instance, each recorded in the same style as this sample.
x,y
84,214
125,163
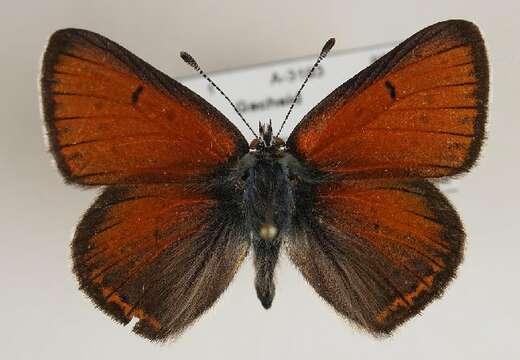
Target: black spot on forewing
x,y
391,89
135,95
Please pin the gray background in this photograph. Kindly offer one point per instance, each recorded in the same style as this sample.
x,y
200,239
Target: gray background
x,y
45,316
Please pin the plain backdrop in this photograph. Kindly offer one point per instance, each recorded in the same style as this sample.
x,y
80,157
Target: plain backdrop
x,y
44,316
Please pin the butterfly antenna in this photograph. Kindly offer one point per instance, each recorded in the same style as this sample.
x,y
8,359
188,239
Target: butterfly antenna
x,y
188,59
324,51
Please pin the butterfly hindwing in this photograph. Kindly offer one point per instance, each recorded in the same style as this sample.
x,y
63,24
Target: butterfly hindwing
x,y
378,250
418,111
112,118
160,253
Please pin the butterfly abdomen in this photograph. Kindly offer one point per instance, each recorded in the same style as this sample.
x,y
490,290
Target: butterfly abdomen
x,y
265,258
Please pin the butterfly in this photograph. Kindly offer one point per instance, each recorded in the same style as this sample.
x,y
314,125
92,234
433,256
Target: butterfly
x,y
348,195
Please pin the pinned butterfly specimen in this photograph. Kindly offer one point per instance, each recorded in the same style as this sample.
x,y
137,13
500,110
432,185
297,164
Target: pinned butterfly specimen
x,y
347,194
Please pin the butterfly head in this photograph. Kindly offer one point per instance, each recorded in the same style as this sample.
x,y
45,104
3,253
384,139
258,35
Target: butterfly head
x,y
266,140
266,133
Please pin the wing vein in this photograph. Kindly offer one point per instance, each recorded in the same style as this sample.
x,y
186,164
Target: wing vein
x,y
387,166
396,130
102,68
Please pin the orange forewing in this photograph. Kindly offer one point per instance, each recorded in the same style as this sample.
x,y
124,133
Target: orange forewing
x,y
419,111
385,248
113,119
143,251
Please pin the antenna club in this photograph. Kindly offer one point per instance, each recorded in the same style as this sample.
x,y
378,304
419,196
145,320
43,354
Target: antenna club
x,y
327,47
188,59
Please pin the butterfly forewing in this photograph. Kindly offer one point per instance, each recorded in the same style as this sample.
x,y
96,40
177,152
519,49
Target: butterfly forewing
x,y
113,119
419,111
